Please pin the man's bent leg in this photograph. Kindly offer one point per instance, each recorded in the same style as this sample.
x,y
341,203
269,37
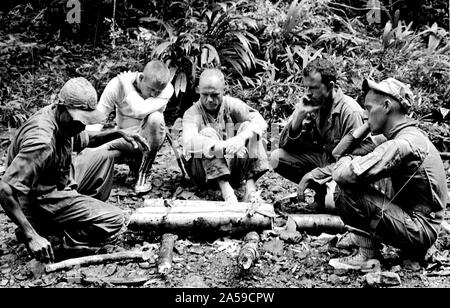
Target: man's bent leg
x,y
153,130
294,166
203,170
85,221
93,171
251,167
366,208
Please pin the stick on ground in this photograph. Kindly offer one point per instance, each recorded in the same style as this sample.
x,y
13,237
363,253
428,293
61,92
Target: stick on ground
x,y
137,256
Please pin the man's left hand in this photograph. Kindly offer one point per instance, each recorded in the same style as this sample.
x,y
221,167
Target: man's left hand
x,y
136,140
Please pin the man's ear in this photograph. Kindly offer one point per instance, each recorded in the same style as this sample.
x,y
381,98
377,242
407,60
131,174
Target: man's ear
x,y
331,86
140,77
388,105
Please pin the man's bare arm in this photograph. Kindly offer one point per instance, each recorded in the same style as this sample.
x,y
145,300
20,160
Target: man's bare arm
x,y
38,247
98,138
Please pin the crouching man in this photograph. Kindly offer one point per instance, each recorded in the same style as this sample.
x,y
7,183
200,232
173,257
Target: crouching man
x,y
411,219
37,190
139,99
222,139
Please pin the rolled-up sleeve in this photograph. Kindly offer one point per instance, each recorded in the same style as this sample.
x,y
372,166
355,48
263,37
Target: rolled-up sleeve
x,y
25,169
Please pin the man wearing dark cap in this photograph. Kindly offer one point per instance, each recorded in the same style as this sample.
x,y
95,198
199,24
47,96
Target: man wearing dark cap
x,y
411,219
37,190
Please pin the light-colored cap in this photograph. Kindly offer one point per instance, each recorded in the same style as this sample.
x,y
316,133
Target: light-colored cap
x,y
392,87
80,98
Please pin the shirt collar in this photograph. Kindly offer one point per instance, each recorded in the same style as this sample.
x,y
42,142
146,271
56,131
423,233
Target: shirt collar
x,y
397,128
338,100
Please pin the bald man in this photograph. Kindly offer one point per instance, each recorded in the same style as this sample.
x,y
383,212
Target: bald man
x,y
222,140
139,99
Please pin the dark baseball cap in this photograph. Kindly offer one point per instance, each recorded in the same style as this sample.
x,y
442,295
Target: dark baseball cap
x,y
80,99
392,87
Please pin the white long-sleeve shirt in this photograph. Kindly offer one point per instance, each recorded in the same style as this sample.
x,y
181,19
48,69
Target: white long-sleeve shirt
x,y
130,109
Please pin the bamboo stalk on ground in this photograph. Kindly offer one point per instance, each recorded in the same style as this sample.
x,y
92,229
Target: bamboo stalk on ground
x,y
249,251
166,253
130,256
318,223
177,215
323,223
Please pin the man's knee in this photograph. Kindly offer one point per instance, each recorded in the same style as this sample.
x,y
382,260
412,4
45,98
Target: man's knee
x,y
209,132
154,129
155,119
115,221
110,220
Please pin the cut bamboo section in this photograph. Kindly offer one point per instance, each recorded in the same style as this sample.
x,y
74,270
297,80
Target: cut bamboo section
x,y
318,223
166,253
169,215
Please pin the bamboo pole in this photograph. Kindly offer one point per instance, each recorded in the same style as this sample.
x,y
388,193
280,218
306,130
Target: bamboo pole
x,y
249,251
170,215
166,253
318,223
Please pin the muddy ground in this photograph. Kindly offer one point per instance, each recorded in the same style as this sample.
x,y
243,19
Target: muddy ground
x,y
210,262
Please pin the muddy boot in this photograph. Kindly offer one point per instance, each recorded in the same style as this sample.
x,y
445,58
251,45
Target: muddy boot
x,y
144,182
364,259
347,242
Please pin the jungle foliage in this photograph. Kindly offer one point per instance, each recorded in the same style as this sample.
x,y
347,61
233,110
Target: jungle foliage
x,y
261,45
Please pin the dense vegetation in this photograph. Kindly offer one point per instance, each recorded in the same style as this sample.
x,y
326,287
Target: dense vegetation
x,y
262,46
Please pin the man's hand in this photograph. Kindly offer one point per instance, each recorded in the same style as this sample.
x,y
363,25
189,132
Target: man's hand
x,y
302,109
304,183
40,249
235,145
361,132
304,106
136,140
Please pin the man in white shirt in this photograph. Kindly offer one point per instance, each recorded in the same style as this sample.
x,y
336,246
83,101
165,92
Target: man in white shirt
x,y
139,99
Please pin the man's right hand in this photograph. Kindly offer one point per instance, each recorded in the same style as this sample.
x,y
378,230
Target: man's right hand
x,y
361,132
302,108
40,248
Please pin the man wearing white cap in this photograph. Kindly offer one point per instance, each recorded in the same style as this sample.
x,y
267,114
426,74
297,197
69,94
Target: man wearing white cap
x,y
411,219
37,190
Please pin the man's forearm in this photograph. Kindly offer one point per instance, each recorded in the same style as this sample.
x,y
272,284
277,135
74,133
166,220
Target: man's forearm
x,y
247,134
136,106
98,138
12,208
